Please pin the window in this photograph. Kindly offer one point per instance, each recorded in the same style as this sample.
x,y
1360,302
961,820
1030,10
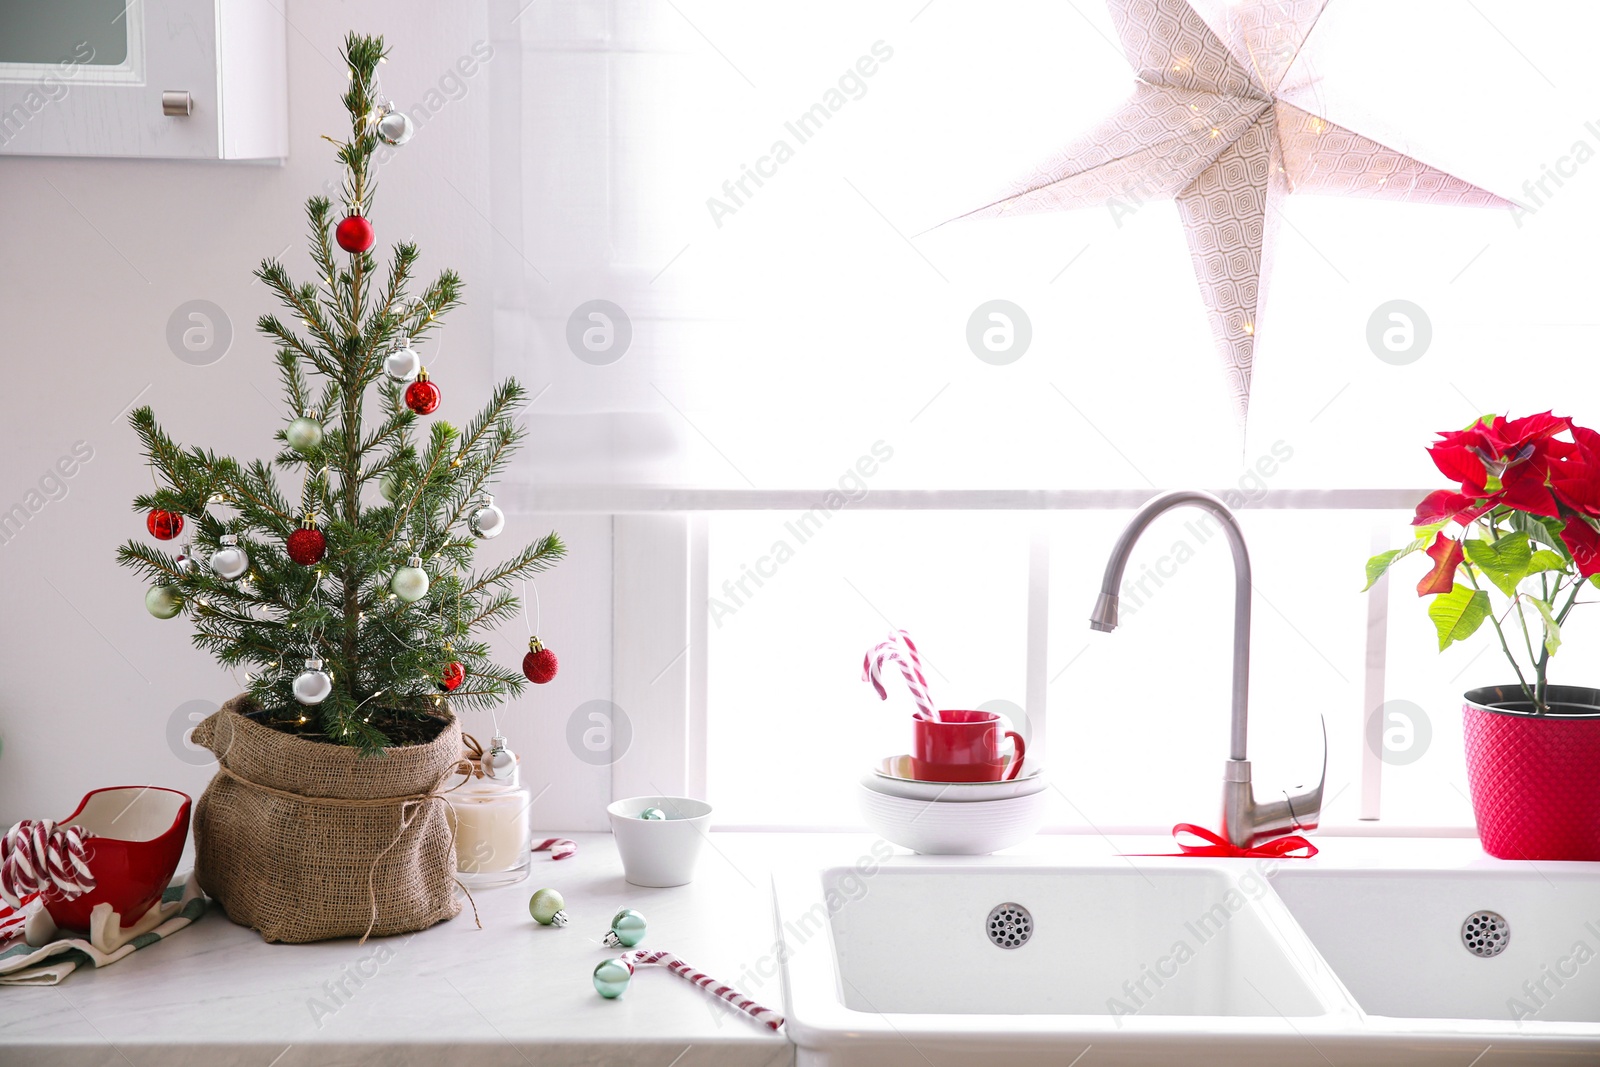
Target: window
x,y
777,331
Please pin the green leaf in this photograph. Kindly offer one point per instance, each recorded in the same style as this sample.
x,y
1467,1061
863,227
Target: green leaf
x,y
1377,565
1505,561
1546,560
1552,629
1540,530
1458,614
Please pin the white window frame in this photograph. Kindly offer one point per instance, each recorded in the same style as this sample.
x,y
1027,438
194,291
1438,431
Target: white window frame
x,y
660,553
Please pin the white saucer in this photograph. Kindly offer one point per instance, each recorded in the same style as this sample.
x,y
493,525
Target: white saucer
x,y
884,780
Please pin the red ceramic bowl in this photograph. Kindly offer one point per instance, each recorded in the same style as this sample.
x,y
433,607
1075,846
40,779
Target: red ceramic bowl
x,y
139,832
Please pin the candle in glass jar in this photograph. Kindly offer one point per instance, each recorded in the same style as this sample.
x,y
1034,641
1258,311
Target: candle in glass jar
x,y
489,813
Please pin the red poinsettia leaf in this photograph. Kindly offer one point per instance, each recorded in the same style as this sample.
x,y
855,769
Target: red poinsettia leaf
x,y
1525,488
1440,505
1458,462
1507,436
1447,555
1576,481
1584,544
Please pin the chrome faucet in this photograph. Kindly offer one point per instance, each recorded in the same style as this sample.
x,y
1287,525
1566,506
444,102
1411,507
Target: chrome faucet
x,y
1245,820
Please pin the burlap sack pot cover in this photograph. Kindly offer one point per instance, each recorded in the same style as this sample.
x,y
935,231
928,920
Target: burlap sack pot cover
x,y
334,858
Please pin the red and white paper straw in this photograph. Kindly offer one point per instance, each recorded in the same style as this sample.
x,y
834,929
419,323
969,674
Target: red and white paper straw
x,y
902,650
560,848
765,1016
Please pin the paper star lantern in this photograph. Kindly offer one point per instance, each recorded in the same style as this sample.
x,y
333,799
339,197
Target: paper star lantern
x,y
1207,126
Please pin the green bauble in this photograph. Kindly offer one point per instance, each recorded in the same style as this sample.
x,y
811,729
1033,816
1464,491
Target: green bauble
x,y
652,814
627,927
389,485
410,583
163,601
304,434
545,907
611,978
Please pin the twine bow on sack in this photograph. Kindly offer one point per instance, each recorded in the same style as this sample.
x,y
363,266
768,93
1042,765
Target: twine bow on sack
x,y
409,807
37,856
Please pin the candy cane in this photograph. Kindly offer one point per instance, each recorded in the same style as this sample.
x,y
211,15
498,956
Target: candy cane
x,y
36,856
560,847
900,648
765,1016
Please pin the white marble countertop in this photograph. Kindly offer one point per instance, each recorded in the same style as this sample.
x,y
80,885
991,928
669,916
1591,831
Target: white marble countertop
x,y
513,993
508,995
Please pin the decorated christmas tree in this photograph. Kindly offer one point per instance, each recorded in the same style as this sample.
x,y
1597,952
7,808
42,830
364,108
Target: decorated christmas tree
x,y
350,598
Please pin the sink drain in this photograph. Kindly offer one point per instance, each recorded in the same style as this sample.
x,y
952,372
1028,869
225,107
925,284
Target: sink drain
x,y
1486,933
1010,925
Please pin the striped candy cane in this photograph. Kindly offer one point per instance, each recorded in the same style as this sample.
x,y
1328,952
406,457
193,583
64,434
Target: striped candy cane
x,y
36,856
560,848
765,1016
900,648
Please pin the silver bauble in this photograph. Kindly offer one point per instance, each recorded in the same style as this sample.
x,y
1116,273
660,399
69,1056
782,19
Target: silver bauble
x,y
303,434
410,583
229,561
403,363
395,127
312,685
186,561
500,763
488,521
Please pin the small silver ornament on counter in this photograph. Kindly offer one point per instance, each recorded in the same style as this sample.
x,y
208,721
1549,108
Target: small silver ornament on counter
x,y
312,685
403,363
410,583
487,521
229,562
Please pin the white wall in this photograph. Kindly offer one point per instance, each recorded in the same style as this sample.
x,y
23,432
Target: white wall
x,y
95,256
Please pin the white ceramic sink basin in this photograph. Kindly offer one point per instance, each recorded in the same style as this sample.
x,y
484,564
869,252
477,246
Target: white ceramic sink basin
x,y
1395,938
1200,962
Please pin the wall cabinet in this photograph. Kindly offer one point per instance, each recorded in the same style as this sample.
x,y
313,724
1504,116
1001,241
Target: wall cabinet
x,y
160,79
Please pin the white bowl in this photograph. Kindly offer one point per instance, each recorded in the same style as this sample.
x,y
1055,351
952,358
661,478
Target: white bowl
x,y
659,852
972,829
954,792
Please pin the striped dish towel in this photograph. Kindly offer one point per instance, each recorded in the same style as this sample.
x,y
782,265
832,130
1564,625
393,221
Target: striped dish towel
x,y
48,964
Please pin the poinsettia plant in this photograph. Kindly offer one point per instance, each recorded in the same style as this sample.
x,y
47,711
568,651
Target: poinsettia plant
x,y
1524,522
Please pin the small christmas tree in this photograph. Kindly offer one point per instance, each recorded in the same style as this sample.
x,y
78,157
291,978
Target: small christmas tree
x,y
383,594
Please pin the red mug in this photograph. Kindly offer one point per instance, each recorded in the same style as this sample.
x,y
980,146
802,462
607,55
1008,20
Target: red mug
x,y
963,747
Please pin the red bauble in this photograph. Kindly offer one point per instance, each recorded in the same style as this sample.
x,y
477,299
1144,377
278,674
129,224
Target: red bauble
x,y
164,525
354,234
307,545
422,396
540,663
454,674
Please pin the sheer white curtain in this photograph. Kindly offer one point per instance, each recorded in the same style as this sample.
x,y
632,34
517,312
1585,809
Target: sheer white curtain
x,y
760,188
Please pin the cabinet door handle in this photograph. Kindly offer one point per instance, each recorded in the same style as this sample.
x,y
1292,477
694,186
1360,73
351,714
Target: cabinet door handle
x,y
177,103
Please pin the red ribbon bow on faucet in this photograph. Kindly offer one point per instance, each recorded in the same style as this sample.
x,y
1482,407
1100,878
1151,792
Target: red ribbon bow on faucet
x,y
1293,847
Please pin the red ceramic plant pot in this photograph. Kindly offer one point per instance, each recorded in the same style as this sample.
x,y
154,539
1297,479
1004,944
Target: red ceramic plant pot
x,y
1535,778
139,832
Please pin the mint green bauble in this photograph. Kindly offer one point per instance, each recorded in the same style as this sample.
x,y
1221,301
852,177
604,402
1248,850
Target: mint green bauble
x,y
303,434
627,929
163,601
611,978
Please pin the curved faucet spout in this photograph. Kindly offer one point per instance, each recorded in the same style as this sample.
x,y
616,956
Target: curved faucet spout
x,y
1244,820
1104,616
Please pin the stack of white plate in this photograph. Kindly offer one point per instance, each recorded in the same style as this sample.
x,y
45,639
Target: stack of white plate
x,y
951,818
